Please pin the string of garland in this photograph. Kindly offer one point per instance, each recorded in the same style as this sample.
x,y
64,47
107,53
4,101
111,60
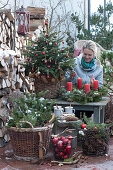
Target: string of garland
x,y
80,96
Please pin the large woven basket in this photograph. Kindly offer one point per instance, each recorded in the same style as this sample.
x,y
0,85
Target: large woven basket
x,y
94,144
53,88
30,143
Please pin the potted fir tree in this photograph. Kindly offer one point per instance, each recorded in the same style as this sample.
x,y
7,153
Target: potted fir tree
x,y
30,126
47,62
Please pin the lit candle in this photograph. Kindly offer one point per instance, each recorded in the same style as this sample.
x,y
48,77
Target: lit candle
x,y
69,86
87,88
95,84
79,83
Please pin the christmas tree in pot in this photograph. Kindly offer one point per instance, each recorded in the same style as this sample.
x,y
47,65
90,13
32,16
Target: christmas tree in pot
x,y
47,62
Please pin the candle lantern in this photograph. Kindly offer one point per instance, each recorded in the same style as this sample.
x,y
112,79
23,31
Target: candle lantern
x,y
69,86
22,20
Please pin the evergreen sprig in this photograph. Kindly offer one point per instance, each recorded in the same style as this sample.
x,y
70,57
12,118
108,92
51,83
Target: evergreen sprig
x,y
31,108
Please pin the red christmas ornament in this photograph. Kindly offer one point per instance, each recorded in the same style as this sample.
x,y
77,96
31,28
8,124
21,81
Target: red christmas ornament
x,y
83,126
47,35
67,55
32,69
36,55
62,138
21,67
62,73
53,52
28,59
65,156
45,62
62,49
46,23
29,51
55,43
48,77
55,140
55,63
50,61
65,141
63,42
58,68
46,42
61,154
70,137
48,66
43,53
60,144
24,49
38,41
68,149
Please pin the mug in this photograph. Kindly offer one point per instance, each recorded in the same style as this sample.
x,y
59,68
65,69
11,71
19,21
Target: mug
x,y
58,107
58,112
69,110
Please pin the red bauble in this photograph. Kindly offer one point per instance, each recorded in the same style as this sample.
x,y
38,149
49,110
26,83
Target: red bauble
x,y
65,156
43,53
68,149
70,137
63,42
61,154
46,42
55,43
46,23
58,68
60,144
45,62
67,55
24,49
21,67
32,69
28,59
48,77
62,138
48,66
50,61
36,55
83,126
55,63
62,49
38,41
53,52
65,141
47,35
29,51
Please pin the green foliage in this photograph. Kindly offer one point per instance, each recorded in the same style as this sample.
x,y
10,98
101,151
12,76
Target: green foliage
x,y
101,28
103,129
45,57
31,108
107,61
80,96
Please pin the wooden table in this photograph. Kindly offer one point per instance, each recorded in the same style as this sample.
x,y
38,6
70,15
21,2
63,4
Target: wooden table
x,y
98,108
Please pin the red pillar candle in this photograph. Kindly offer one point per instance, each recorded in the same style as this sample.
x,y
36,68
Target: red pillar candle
x,y
79,83
69,86
87,88
95,84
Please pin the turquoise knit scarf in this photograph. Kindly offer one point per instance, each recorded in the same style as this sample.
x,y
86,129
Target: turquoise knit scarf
x,y
86,65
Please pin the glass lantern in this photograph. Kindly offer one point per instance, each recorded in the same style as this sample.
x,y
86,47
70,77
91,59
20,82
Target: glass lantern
x,y
22,20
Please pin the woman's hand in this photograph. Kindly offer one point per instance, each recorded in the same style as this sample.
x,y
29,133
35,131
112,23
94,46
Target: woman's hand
x,y
73,74
92,79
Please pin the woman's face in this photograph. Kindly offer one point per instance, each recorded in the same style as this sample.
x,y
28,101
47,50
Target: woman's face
x,y
88,55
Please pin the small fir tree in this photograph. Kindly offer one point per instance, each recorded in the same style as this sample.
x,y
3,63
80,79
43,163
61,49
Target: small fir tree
x,y
45,58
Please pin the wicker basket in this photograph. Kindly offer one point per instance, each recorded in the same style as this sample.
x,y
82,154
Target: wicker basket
x,y
30,143
53,88
94,144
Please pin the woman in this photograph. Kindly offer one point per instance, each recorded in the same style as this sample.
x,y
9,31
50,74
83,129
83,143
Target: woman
x,y
87,66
